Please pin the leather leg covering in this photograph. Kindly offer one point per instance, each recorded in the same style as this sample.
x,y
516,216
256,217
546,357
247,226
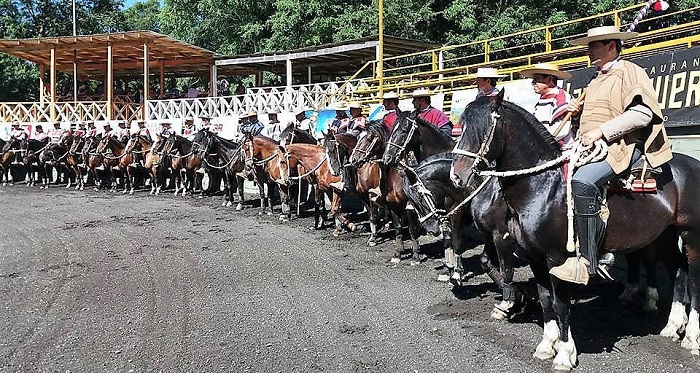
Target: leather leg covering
x,y
589,226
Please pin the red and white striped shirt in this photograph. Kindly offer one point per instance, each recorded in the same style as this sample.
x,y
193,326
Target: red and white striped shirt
x,y
551,109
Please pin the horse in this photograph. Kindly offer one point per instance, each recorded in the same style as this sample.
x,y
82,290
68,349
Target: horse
x,y
32,162
137,144
184,164
501,136
76,160
54,157
293,135
114,157
418,136
312,163
263,156
365,158
231,155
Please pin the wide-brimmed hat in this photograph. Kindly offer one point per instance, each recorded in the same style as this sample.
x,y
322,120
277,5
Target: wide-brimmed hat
x,y
140,121
355,105
55,123
390,95
189,119
81,124
488,72
204,116
121,122
251,113
272,111
89,122
106,124
165,123
545,69
421,92
340,106
15,124
604,33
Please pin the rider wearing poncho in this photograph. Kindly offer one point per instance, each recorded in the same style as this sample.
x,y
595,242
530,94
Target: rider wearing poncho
x,y
620,108
421,104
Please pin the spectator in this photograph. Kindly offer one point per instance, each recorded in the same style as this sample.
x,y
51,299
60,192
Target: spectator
x,y
193,92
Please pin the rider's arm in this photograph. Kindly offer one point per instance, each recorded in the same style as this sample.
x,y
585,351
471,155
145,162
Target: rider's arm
x,y
635,117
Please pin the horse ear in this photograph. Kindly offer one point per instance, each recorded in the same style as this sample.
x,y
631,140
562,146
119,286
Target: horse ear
x,y
496,101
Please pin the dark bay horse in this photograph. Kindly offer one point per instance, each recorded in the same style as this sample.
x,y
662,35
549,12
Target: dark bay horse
x,y
501,136
76,160
137,145
54,157
231,161
156,165
372,176
32,162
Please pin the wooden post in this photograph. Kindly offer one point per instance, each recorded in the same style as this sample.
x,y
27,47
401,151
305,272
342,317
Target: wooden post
x,y
162,78
380,49
53,84
110,84
42,89
146,88
213,91
289,73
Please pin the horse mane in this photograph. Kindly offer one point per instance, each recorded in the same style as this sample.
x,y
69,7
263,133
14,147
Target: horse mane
x,y
446,156
267,139
536,125
226,142
377,129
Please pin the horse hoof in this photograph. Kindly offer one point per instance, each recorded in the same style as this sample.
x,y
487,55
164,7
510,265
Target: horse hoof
x,y
372,242
415,262
336,233
131,192
283,219
351,227
260,213
239,207
395,260
269,213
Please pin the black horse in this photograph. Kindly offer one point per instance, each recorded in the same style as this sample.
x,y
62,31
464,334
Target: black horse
x,y
414,134
231,161
504,137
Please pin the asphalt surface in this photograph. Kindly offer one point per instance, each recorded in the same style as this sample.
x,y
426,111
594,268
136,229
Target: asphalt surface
x,y
102,282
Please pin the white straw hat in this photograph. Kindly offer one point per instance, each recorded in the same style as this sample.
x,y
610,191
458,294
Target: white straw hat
x,y
604,33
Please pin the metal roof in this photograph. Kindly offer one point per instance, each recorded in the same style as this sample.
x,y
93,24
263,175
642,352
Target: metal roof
x,y
336,59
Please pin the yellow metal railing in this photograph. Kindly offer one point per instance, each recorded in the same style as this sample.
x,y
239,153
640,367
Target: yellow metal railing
x,y
450,67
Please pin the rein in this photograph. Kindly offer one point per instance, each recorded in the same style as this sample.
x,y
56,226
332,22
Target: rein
x,y
402,148
320,163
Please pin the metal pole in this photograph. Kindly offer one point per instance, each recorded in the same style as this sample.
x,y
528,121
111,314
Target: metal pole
x,y
146,86
75,65
380,49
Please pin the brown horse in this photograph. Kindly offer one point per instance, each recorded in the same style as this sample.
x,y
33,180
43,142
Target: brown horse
x,y
184,164
114,157
54,157
366,159
138,146
312,162
76,161
156,165
268,163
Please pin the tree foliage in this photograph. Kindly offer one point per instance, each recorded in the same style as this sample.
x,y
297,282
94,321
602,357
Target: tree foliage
x,y
244,26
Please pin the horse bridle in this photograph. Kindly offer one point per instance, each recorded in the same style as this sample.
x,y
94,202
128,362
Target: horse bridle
x,y
365,152
480,157
411,131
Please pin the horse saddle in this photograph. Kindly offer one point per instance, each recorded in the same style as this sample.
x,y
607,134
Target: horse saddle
x,y
639,179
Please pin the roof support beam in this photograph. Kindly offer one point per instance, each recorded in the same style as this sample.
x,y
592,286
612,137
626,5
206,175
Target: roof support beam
x,y
146,86
53,84
289,73
109,85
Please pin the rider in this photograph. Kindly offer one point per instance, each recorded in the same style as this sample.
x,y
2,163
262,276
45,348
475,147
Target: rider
x,y
390,101
251,125
486,79
301,121
56,133
357,120
205,122
39,134
122,134
20,135
188,129
91,130
274,128
620,108
141,131
421,104
551,108
341,119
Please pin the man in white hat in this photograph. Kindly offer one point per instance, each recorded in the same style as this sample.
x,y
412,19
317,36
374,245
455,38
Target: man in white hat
x,y
390,101
620,108
341,119
251,125
486,79
273,129
301,121
107,130
421,102
188,128
552,106
122,134
357,121
91,131
19,134
56,132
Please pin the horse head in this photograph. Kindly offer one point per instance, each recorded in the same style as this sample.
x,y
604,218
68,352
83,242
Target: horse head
x,y
370,145
132,143
499,135
202,143
330,145
404,137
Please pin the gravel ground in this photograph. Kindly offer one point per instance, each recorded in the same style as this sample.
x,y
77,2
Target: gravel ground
x,y
101,282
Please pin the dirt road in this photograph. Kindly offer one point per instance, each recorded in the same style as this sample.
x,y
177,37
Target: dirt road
x,y
97,282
